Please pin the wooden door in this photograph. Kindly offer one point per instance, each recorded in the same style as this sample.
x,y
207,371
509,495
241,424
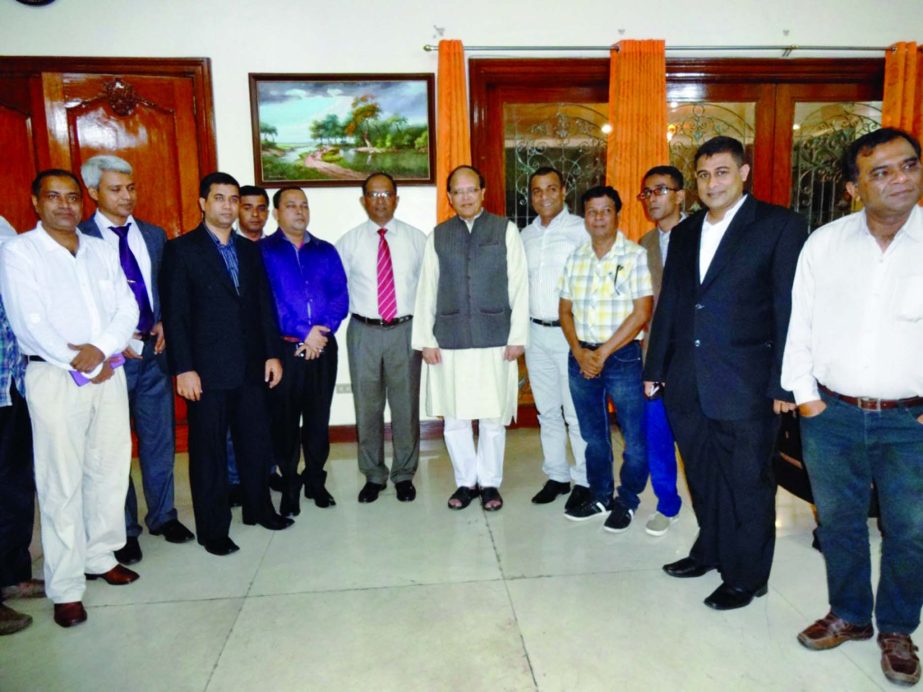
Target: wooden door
x,y
156,114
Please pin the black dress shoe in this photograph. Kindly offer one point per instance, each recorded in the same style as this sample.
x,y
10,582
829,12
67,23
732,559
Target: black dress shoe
x,y
130,553
369,492
221,546
273,522
405,491
578,496
686,568
727,597
235,495
321,497
174,532
290,506
550,492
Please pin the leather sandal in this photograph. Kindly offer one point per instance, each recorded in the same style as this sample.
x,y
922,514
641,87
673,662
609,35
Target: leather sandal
x,y
462,497
491,500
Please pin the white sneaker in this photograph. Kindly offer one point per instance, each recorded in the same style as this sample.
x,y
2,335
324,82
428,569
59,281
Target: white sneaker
x,y
659,524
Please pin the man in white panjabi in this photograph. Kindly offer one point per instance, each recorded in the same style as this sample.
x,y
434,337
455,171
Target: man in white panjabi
x,y
472,322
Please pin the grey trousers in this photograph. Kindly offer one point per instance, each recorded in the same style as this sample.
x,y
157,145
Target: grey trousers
x,y
382,365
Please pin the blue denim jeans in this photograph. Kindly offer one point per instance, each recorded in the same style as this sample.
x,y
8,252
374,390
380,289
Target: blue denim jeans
x,y
845,451
620,379
661,457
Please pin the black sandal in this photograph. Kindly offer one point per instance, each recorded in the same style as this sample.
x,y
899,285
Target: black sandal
x,y
464,495
491,496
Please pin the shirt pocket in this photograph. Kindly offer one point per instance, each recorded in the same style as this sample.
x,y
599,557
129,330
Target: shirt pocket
x,y
910,299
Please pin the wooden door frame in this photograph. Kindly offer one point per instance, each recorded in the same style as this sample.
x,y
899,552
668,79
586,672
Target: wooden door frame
x,y
491,80
196,69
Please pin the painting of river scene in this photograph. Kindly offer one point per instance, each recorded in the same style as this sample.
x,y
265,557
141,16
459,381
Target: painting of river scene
x,y
336,129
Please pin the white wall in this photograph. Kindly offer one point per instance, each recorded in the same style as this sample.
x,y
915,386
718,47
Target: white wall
x,y
353,36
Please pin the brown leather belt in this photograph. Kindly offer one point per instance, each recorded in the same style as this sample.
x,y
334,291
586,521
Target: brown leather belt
x,y
869,404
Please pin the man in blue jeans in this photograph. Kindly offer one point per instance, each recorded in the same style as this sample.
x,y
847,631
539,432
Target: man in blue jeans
x,y
606,299
852,360
662,195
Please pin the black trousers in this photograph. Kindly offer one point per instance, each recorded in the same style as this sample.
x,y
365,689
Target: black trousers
x,y
300,408
244,411
729,471
17,491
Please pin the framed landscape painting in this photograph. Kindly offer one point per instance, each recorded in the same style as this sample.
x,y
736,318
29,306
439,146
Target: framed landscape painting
x,y
335,129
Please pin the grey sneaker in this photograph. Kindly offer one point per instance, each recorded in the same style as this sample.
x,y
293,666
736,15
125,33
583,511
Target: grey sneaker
x,y
659,524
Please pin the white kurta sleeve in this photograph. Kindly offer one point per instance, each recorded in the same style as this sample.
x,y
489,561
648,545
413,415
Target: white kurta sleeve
x,y
518,286
424,313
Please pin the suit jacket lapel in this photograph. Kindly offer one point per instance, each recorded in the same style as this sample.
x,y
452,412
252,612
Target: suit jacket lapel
x,y
730,242
212,260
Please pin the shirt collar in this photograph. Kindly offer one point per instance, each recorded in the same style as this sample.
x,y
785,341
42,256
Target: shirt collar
x,y
49,244
103,223
728,215
558,219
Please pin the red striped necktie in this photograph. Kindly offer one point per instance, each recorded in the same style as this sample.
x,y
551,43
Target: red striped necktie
x,y
387,300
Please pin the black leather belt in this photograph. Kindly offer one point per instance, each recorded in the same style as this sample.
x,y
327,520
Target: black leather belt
x,y
382,323
593,347
546,323
869,404
37,359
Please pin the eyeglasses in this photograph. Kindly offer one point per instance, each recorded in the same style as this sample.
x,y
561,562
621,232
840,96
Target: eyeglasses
x,y
658,191
379,194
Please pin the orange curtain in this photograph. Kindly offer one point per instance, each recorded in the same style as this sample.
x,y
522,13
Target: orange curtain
x,y
453,139
638,115
903,97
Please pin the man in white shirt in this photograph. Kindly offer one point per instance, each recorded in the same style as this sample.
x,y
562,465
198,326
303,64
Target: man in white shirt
x,y
382,258
852,359
662,195
471,322
110,183
716,347
73,313
548,241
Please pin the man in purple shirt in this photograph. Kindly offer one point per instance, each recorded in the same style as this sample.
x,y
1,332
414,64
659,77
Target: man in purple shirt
x,y
309,286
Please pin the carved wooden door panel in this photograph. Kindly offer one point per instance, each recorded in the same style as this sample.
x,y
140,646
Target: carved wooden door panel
x,y
147,120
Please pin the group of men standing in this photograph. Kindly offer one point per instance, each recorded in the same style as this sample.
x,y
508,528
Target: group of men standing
x,y
102,317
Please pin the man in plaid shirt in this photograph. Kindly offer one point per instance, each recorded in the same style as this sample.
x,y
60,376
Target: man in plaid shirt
x,y
606,299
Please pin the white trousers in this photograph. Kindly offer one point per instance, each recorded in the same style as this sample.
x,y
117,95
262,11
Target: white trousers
x,y
546,361
483,466
82,449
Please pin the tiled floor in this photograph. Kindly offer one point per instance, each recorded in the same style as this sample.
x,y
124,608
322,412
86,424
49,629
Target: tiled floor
x,y
392,596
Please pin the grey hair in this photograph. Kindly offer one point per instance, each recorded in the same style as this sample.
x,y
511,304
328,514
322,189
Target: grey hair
x,y
92,170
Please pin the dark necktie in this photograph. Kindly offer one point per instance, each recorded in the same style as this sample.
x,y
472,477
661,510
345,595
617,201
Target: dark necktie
x,y
135,279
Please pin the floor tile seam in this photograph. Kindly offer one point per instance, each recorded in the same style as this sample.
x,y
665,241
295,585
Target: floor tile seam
x,y
512,605
243,602
380,587
588,573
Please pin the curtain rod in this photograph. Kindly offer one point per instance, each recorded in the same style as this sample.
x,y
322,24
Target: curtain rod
x,y
786,49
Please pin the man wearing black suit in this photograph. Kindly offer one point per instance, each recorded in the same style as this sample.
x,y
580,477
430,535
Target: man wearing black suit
x,y
219,319
716,348
111,185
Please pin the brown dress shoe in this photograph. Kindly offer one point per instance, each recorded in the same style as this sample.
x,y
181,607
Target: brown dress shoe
x,y
117,576
831,631
12,621
899,660
69,614
33,588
